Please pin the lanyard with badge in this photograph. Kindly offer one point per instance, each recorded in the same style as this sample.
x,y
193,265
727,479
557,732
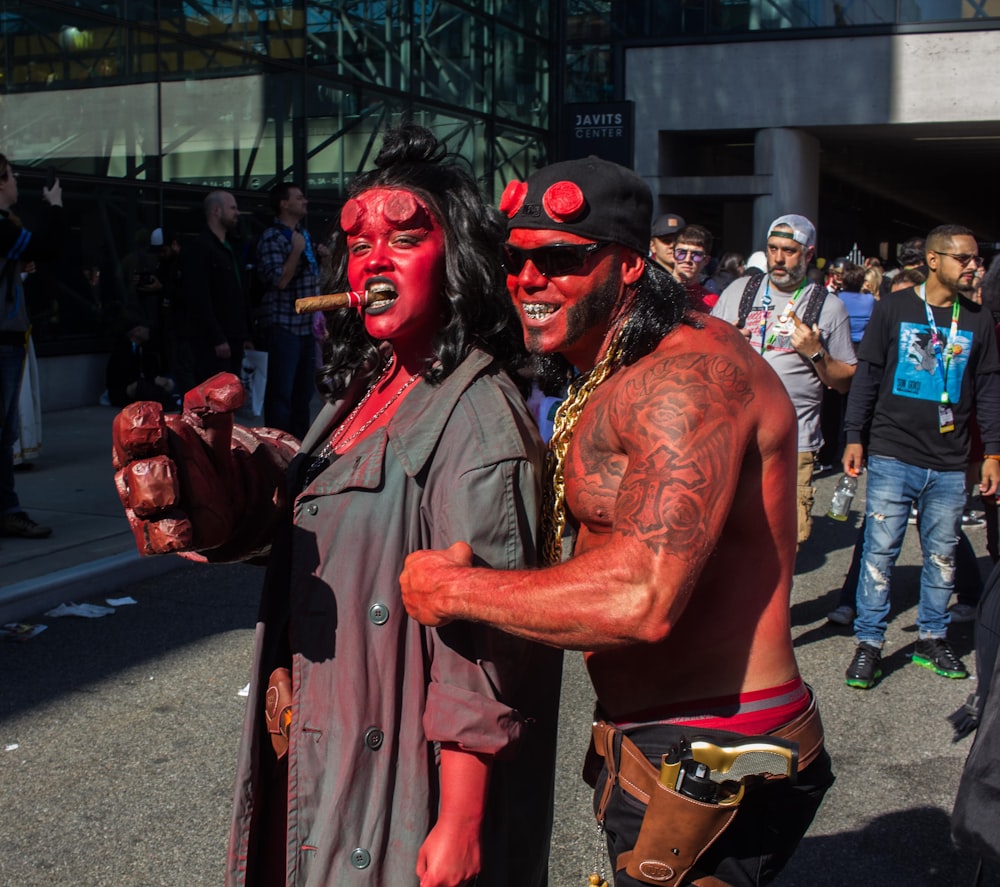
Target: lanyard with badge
x,y
784,318
946,415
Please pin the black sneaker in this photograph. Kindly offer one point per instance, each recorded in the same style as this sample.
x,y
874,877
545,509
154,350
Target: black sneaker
x,y
19,524
972,520
937,655
865,668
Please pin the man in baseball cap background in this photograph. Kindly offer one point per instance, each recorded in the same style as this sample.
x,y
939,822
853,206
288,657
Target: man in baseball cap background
x,y
663,235
801,330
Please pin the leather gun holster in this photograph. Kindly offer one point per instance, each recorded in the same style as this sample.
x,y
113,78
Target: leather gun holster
x,y
278,709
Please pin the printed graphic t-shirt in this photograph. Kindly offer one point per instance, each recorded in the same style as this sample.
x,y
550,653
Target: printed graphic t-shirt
x,y
899,339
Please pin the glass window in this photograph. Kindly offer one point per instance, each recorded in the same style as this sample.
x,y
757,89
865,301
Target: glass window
x,y
451,56
521,85
110,133
143,106
531,17
363,41
518,155
341,134
257,27
83,297
590,73
46,49
230,132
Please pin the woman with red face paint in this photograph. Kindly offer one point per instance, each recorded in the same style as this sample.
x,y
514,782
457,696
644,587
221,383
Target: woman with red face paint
x,y
401,755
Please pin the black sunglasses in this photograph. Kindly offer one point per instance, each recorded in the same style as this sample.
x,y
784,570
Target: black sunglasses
x,y
963,259
551,261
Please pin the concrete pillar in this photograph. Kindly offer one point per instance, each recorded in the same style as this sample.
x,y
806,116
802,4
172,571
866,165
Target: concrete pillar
x,y
791,159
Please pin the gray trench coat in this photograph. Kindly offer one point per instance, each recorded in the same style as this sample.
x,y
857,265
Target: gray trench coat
x,y
375,691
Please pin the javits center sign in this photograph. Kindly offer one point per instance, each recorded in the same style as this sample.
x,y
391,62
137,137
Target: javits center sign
x,y
601,128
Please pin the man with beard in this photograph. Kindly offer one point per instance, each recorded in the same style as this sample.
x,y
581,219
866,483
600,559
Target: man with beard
x,y
216,325
803,333
927,359
671,461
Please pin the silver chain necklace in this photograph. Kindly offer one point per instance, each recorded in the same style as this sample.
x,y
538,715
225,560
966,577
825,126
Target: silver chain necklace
x,y
338,433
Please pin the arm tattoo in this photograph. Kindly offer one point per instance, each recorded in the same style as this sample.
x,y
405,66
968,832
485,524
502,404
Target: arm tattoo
x,y
679,422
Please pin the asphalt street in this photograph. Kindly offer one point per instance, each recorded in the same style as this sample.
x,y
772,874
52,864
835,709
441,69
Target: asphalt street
x,y
119,736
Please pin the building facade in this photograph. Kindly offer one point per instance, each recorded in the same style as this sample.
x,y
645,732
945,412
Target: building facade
x,y
143,106
879,118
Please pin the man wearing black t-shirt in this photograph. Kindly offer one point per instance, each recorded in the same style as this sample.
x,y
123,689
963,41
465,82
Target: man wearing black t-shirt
x,y
928,357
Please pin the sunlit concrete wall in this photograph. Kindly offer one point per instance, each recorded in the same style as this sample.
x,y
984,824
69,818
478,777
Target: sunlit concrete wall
x,y
772,87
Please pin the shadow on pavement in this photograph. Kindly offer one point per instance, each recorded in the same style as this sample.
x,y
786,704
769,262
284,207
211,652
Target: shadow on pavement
x,y
173,611
906,847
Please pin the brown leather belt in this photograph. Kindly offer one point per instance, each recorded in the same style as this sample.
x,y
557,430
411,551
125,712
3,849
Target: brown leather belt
x,y
637,775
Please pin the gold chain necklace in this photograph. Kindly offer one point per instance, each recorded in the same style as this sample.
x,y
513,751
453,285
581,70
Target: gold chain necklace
x,y
568,414
338,433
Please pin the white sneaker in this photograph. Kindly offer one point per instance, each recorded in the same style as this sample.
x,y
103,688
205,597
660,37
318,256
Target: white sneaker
x,y
962,612
843,615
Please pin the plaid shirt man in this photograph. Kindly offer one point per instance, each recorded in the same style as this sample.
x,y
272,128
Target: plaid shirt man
x,y
278,306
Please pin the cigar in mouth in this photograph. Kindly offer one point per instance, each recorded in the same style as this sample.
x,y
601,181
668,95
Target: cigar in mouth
x,y
331,302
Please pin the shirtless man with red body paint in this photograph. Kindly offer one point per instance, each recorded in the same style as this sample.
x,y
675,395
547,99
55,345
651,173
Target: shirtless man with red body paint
x,y
680,486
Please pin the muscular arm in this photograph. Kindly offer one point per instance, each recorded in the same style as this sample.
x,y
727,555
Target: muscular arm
x,y
678,427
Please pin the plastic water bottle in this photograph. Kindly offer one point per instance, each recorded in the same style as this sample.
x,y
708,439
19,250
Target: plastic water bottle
x,y
840,504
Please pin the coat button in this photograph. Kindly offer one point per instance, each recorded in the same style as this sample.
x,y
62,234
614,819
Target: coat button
x,y
360,858
312,508
373,738
378,613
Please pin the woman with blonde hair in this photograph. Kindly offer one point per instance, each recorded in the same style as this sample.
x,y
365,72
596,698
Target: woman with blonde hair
x,y
873,281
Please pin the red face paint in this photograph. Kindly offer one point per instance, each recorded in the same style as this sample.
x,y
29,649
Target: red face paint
x,y
398,240
566,315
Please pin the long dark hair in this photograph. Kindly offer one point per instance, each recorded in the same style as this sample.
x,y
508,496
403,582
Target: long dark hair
x,y
478,310
656,304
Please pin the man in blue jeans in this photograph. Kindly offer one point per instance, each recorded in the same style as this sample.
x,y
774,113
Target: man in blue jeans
x,y
927,359
287,263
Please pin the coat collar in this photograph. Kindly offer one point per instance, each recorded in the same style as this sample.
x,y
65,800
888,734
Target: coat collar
x,y
416,427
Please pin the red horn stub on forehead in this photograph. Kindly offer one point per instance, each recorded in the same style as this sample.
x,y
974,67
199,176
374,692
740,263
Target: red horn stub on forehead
x,y
352,216
513,198
563,201
402,210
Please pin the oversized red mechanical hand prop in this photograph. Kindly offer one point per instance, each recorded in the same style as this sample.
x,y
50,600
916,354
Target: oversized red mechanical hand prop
x,y
195,483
